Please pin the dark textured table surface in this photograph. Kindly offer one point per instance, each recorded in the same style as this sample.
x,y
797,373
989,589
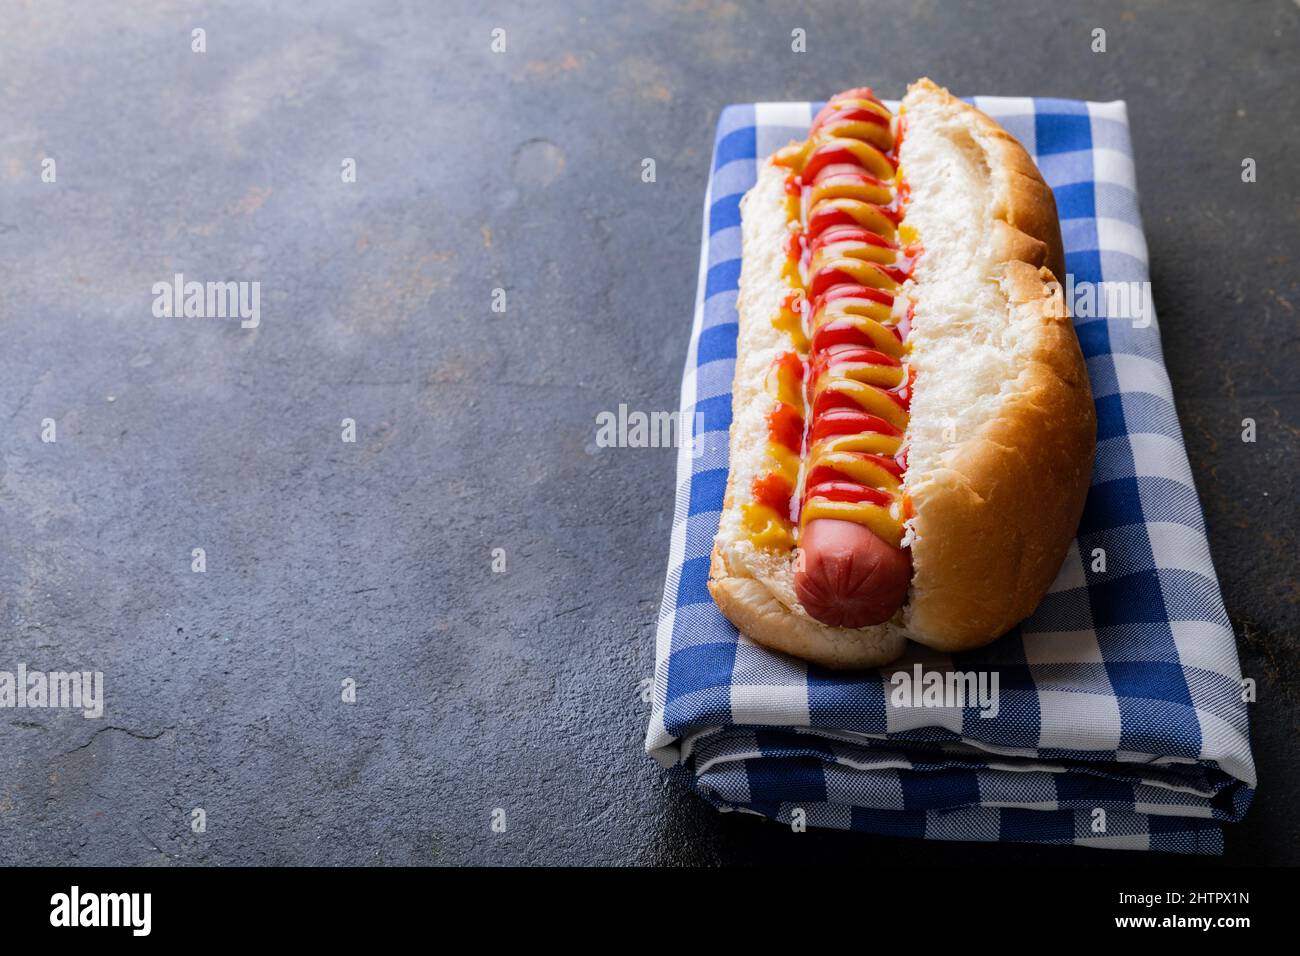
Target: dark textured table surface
x,y
328,560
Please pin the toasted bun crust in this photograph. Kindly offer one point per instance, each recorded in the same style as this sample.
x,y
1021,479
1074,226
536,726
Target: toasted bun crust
x,y
1002,429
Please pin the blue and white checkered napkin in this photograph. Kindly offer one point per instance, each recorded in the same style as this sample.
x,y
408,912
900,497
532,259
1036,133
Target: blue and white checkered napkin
x,y
1121,721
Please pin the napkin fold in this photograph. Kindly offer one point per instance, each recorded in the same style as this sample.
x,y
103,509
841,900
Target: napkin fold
x,y
1113,717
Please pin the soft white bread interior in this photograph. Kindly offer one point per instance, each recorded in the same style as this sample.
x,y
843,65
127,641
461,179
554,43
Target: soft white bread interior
x,y
1002,428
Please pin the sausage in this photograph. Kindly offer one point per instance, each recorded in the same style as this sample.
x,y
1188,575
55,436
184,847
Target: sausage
x,y
855,381
849,577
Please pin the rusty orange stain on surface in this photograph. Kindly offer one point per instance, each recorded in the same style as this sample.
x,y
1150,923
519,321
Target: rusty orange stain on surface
x,y
565,64
251,201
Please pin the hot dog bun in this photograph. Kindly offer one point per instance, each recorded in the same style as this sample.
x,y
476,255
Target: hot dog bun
x,y
1002,428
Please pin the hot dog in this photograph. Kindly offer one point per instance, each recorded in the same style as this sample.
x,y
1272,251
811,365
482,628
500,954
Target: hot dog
x,y
913,430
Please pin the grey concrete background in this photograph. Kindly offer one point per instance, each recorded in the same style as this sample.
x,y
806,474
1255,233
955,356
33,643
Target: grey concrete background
x,y
371,560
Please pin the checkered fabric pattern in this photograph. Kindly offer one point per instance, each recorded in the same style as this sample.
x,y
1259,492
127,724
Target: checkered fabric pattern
x,y
1120,719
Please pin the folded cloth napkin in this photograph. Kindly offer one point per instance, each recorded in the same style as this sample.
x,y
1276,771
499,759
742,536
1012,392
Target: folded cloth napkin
x,y
1119,717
